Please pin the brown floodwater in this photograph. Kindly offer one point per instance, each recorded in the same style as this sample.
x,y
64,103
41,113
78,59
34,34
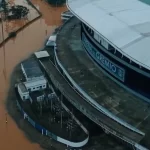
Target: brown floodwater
x,y
13,25
26,42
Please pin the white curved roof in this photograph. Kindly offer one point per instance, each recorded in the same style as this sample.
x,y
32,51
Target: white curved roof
x,y
124,23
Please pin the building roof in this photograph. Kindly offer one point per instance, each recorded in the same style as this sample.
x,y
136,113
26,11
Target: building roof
x,y
123,23
51,40
22,87
32,68
34,83
41,54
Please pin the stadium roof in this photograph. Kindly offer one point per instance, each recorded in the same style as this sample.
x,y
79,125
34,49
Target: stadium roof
x,y
123,23
32,68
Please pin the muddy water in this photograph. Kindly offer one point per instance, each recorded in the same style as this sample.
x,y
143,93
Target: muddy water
x,y
13,25
26,42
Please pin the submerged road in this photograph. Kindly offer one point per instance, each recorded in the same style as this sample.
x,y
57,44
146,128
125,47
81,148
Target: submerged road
x,y
26,42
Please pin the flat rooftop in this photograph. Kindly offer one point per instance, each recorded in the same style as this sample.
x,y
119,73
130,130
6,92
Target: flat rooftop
x,y
89,77
32,68
41,54
122,23
23,87
34,83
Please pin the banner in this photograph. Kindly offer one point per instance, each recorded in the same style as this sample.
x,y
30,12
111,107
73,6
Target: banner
x,y
102,60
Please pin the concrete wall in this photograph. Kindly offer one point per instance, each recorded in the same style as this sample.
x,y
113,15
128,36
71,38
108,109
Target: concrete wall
x,y
35,85
50,134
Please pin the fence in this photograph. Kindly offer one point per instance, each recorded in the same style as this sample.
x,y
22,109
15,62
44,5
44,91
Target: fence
x,y
50,134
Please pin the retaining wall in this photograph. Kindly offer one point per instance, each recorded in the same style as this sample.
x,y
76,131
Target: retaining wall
x,y
50,134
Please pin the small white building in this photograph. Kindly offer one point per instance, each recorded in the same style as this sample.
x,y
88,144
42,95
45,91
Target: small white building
x,y
23,92
25,88
36,85
41,54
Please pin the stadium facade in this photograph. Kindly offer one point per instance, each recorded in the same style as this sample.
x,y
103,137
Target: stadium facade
x,y
116,36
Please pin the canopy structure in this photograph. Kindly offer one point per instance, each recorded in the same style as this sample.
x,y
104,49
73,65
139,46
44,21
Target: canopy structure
x,y
125,24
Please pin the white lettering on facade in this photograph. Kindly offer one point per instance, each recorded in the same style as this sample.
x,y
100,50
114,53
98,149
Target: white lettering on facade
x,y
104,61
107,63
113,68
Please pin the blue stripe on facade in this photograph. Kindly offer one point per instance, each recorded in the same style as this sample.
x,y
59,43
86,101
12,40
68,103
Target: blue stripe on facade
x,y
107,64
131,65
132,79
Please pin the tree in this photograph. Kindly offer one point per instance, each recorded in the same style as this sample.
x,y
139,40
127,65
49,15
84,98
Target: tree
x,y
56,2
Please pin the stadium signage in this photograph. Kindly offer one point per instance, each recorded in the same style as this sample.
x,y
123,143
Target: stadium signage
x,y
111,67
103,42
